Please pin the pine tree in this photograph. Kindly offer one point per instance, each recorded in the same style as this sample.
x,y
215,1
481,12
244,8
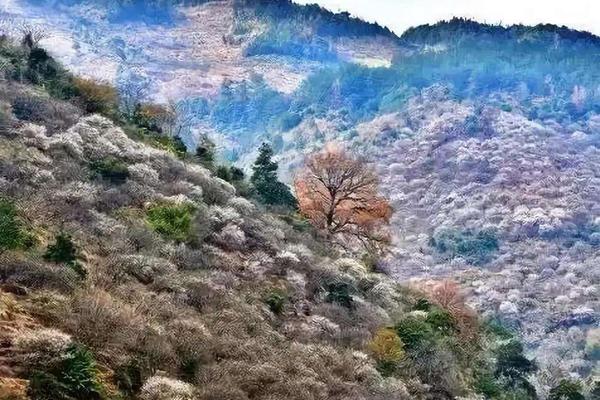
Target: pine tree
x,y
63,251
205,151
264,178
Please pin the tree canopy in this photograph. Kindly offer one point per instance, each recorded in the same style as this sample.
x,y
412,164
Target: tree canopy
x,y
339,195
264,178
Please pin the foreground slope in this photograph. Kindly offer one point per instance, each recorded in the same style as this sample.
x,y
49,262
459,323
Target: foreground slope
x,y
485,136
129,271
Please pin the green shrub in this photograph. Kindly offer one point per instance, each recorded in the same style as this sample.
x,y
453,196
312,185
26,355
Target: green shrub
x,y
276,302
174,222
234,176
73,378
111,169
507,377
173,145
230,174
495,328
414,332
340,293
206,152
12,235
512,363
43,70
64,251
80,374
441,320
422,305
486,384
224,173
41,66
475,247
566,390
237,174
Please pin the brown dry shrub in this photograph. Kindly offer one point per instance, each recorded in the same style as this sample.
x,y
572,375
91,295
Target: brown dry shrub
x,y
96,97
103,322
448,295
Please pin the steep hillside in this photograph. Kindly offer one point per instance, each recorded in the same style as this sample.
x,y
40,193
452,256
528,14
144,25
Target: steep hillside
x,y
486,142
130,271
509,208
485,138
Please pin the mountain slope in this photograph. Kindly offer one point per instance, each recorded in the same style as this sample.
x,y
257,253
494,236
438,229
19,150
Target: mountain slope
x,y
485,136
130,271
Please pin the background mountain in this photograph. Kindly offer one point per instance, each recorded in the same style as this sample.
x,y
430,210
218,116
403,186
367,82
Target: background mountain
x,y
485,137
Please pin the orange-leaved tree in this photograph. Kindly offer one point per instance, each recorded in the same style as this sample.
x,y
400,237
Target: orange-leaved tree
x,y
338,193
448,295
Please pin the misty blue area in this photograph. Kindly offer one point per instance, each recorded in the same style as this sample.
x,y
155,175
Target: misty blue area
x,y
539,66
122,11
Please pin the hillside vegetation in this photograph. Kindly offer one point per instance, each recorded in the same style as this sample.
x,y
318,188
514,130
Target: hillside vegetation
x,y
482,138
486,140
131,271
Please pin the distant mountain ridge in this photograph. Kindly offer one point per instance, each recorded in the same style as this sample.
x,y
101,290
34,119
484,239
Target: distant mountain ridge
x,y
444,30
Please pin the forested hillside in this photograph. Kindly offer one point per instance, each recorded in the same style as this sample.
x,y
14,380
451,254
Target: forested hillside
x,y
130,270
483,141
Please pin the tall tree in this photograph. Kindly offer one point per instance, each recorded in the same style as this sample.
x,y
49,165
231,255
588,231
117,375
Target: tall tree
x,y
264,179
339,195
205,152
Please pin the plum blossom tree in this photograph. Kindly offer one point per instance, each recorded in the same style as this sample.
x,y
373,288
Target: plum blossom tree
x,y
339,195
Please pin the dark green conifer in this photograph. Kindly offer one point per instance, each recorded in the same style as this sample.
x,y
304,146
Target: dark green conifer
x,y
264,178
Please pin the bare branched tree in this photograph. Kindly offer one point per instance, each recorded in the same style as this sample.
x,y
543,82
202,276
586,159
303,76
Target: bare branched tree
x,y
32,35
339,195
182,118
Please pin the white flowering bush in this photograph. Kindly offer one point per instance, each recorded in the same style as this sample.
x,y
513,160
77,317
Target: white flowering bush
x,y
42,347
163,388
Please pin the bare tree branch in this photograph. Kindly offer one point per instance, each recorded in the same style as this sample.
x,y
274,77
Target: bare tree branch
x,y
338,194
